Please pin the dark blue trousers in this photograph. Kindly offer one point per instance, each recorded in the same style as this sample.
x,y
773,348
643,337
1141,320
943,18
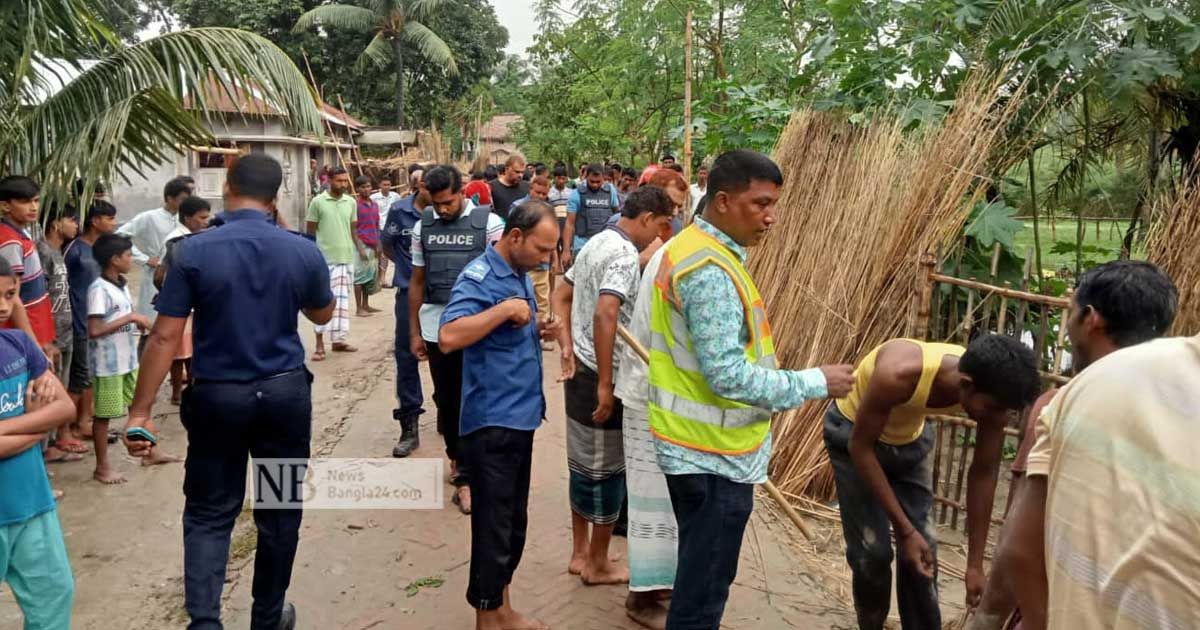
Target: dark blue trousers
x,y
408,378
227,423
712,513
868,532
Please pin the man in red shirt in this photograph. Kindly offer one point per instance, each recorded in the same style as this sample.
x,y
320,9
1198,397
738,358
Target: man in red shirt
x,y
477,190
19,210
366,273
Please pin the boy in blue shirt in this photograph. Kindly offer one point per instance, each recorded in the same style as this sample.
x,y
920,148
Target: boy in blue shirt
x,y
33,556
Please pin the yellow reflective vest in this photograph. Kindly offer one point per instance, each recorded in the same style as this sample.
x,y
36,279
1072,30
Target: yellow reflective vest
x,y
683,408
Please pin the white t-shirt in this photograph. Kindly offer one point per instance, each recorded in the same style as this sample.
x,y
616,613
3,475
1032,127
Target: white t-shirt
x,y
385,204
697,194
632,384
431,314
114,354
608,263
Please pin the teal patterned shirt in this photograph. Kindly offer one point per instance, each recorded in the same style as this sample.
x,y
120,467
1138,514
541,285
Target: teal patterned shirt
x,y
713,312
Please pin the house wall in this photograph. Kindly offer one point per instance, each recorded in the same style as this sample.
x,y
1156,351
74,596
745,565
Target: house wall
x,y
143,192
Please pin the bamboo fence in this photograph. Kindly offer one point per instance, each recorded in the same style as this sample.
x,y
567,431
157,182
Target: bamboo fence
x,y
861,204
1172,245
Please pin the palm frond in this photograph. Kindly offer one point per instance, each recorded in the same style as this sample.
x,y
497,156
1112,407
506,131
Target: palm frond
x,y
432,46
197,66
36,29
422,9
339,16
378,52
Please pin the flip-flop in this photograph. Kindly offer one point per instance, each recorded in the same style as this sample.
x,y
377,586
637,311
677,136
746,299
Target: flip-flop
x,y
66,456
318,356
72,447
344,347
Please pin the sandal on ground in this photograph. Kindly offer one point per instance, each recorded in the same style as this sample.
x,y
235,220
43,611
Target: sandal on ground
x,y
72,447
66,456
344,347
319,355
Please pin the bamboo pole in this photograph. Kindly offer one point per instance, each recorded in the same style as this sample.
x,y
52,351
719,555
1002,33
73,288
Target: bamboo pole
x,y
794,516
687,98
1012,293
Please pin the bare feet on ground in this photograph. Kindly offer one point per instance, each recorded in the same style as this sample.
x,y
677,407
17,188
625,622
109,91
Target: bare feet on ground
x,y
607,573
107,475
578,562
647,609
157,457
507,620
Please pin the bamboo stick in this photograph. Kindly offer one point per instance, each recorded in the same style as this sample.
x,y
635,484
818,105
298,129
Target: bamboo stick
x,y
962,469
1035,298
791,513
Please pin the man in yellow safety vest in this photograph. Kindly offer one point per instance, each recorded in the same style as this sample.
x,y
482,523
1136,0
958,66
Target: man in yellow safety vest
x,y
713,383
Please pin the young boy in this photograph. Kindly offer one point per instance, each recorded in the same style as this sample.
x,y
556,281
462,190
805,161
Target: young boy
x,y
82,271
366,273
112,348
194,215
19,211
33,556
61,228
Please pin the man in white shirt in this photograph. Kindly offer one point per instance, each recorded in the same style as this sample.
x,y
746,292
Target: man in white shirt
x,y
700,188
384,198
149,231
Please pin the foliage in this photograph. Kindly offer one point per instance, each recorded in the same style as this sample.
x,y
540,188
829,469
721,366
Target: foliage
x,y
732,116
992,223
123,111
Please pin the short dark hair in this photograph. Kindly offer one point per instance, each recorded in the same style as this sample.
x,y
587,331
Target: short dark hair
x,y
615,167
176,186
560,170
443,177
414,167
255,176
490,173
1002,367
476,176
99,208
188,179
361,180
593,169
18,187
650,199
527,215
108,246
338,170
385,178
629,171
193,205
667,156
675,166
1136,299
540,169
6,271
59,212
733,171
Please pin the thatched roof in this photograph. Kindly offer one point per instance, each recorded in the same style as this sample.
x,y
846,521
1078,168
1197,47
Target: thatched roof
x,y
499,128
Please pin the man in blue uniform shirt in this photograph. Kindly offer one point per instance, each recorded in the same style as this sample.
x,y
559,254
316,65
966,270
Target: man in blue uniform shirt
x,y
251,393
492,318
397,246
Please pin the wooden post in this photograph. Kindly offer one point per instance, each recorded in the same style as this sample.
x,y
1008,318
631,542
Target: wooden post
x,y
687,98
920,327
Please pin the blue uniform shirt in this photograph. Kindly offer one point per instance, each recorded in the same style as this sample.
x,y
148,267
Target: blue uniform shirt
x,y
397,233
245,282
24,488
502,373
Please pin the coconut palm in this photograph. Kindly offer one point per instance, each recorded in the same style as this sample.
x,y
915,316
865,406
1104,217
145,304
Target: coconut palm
x,y
75,101
394,23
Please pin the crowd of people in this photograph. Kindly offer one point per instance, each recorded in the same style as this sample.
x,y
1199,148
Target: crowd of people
x,y
637,281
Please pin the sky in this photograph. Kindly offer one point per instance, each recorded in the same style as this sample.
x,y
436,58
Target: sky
x,y
517,17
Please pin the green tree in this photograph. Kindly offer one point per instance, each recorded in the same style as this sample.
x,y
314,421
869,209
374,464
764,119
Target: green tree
x,y
393,24
124,109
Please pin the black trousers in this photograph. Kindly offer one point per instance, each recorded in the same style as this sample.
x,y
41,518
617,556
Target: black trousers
x,y
500,461
227,423
446,369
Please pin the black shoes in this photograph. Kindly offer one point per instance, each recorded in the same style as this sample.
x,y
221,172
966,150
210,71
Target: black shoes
x,y
287,619
409,439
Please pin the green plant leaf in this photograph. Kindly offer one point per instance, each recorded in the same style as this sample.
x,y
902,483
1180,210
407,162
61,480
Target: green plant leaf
x,y
994,223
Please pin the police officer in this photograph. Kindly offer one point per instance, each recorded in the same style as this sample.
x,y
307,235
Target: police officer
x,y
251,393
397,246
588,211
451,233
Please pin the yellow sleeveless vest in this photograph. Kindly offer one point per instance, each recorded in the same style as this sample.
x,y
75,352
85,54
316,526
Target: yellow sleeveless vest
x,y
907,421
683,409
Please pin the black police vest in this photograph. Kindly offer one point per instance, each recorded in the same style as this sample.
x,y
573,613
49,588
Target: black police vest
x,y
595,209
448,247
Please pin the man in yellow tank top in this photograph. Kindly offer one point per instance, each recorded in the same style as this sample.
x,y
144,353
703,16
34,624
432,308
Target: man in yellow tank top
x,y
882,453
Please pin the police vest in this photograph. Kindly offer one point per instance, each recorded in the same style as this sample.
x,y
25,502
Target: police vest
x,y
595,208
684,410
448,247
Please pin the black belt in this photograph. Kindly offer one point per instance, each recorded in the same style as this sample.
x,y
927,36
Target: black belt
x,y
211,381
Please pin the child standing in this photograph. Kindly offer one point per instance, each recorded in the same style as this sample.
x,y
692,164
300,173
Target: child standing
x,y
33,556
82,271
61,228
113,342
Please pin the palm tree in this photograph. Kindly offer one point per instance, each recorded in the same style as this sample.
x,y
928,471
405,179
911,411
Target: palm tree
x,y
394,23
75,101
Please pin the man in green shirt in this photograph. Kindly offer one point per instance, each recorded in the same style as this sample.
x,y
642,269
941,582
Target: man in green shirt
x,y
333,218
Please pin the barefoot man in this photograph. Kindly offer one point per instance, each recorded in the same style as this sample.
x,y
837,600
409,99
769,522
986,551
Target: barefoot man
x,y
333,218
251,393
492,319
598,291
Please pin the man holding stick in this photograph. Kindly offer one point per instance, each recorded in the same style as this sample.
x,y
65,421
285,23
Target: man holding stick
x,y
713,384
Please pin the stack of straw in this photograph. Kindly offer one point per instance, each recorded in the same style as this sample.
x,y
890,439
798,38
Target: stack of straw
x,y
860,205
1172,246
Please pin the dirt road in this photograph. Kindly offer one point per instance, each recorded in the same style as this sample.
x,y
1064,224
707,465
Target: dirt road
x,y
358,570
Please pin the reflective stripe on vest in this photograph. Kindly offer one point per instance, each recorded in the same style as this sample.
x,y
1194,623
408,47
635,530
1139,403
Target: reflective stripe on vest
x,y
683,408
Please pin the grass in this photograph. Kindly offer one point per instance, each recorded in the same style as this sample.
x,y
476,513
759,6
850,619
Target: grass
x,y
1063,231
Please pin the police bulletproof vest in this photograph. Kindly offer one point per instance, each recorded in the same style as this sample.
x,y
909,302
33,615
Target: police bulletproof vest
x,y
448,247
595,209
